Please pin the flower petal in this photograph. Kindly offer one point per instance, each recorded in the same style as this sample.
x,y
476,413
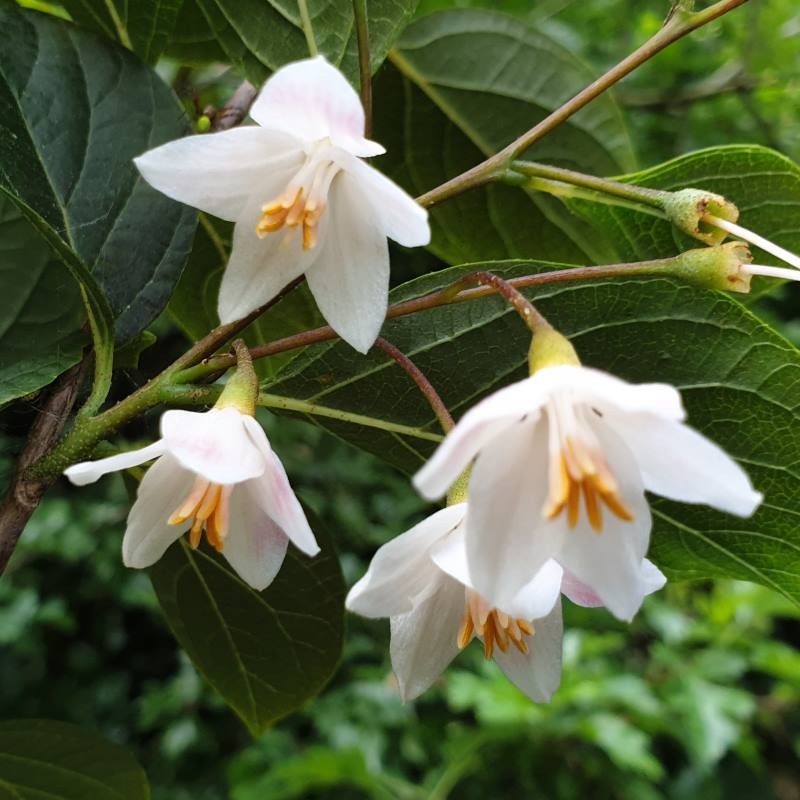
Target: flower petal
x,y
214,444
255,546
350,279
682,464
610,562
258,269
508,541
401,574
538,598
538,672
312,100
148,533
424,641
476,429
275,496
651,579
90,471
218,172
401,217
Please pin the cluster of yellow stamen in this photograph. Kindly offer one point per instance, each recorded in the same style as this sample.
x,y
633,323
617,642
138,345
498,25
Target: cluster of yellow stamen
x,y
493,626
292,209
577,471
208,506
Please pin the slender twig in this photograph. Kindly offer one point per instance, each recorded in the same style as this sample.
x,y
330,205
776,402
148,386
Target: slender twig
x,y
24,494
678,25
364,67
308,29
418,376
236,109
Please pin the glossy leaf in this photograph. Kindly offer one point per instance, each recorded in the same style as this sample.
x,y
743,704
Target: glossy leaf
x,y
261,35
764,184
74,111
41,313
265,652
447,110
144,26
737,377
42,758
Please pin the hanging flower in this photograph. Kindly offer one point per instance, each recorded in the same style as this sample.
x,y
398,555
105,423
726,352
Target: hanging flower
x,y
419,580
562,462
215,475
302,198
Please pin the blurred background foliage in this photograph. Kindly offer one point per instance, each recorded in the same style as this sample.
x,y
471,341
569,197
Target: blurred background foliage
x,y
699,697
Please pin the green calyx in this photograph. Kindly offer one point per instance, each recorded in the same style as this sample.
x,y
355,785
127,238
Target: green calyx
x,y
717,267
458,491
241,390
549,348
687,208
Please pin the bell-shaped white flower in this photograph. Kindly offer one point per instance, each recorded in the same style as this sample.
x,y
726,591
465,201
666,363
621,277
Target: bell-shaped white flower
x,y
419,580
562,462
216,474
302,199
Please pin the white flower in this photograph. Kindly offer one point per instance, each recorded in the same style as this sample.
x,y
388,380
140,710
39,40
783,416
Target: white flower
x,y
562,461
216,473
419,580
302,199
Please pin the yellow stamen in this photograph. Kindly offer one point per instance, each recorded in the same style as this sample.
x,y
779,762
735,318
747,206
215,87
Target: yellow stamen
x,y
207,505
495,627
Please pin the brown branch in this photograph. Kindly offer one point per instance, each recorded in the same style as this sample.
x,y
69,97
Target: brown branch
x,y
25,494
236,109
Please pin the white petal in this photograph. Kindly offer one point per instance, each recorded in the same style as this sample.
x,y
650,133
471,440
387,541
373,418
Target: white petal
x,y
538,598
508,541
217,172
90,471
610,562
274,494
148,534
679,463
424,641
401,217
537,673
401,574
350,279
214,444
479,426
312,100
255,546
651,579
259,268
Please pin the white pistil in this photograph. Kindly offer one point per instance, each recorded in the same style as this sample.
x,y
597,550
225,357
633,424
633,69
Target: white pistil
x,y
759,241
771,272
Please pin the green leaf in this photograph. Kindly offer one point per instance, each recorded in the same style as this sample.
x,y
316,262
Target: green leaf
x,y
194,303
737,377
261,35
469,83
265,652
41,313
42,758
74,111
144,26
764,184
193,41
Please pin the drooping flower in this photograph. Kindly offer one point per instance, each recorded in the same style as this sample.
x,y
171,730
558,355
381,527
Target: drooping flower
x,y
302,198
419,580
217,475
562,462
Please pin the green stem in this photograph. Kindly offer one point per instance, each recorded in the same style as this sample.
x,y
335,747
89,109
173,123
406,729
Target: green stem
x,y
308,30
364,67
680,23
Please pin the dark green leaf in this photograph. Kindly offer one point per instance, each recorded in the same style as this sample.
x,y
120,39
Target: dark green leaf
x,y
261,35
470,82
41,313
44,759
144,26
738,379
765,185
265,652
193,41
74,111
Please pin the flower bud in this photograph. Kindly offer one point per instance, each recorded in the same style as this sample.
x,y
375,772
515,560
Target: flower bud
x,y
686,209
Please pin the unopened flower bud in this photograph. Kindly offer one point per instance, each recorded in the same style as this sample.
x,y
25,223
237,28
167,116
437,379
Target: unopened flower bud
x,y
687,208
